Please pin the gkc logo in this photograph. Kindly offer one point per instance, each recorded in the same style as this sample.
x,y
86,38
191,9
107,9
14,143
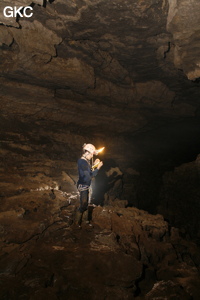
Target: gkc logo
x,y
21,11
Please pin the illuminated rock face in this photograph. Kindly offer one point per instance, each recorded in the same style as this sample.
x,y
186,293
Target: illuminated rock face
x,y
119,74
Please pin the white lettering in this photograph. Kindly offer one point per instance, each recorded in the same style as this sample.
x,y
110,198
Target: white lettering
x,y
25,14
9,11
17,11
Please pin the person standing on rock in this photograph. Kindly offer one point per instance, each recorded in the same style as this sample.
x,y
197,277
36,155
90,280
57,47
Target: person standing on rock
x,y
86,173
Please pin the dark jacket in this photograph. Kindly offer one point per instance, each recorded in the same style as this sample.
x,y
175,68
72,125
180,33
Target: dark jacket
x,y
85,172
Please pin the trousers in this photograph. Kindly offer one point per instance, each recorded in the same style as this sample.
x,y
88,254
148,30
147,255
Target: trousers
x,y
84,195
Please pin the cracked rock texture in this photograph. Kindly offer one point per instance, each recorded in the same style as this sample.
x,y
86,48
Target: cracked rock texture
x,y
131,59
119,74
127,254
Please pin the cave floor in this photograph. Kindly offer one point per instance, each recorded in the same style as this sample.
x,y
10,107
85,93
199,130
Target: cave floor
x,y
126,254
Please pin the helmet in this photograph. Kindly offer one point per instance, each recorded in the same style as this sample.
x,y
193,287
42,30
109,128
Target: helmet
x,y
90,148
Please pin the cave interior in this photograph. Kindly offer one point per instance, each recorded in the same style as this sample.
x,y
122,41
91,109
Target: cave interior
x,y
120,74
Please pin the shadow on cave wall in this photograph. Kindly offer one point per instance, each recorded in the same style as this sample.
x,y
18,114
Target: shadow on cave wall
x,y
143,190
104,181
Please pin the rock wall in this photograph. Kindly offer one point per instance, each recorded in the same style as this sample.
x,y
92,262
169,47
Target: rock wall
x,y
180,198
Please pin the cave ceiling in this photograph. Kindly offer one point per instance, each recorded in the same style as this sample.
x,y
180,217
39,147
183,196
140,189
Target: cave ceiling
x,y
120,66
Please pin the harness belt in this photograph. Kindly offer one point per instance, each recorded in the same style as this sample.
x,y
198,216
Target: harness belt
x,y
82,187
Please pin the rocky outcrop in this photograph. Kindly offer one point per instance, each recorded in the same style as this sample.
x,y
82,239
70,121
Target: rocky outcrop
x,y
127,254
